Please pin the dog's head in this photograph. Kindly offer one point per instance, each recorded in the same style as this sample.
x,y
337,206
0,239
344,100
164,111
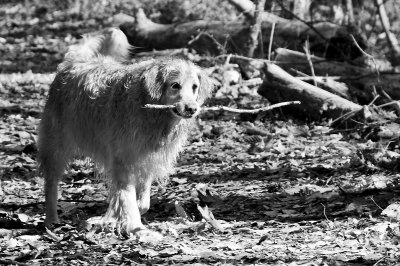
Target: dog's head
x,y
177,82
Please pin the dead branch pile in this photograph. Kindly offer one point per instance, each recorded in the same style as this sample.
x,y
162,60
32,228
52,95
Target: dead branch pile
x,y
332,85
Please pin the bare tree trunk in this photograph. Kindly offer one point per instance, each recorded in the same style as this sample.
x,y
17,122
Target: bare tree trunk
x,y
255,29
391,38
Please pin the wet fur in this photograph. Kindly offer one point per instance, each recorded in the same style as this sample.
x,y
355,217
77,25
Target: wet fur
x,y
94,108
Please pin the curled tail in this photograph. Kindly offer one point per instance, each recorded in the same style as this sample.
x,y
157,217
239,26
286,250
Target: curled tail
x,y
111,42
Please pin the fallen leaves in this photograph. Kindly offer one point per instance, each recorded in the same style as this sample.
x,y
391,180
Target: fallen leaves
x,y
263,192
268,203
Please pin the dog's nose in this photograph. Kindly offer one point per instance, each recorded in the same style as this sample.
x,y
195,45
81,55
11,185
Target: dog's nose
x,y
191,108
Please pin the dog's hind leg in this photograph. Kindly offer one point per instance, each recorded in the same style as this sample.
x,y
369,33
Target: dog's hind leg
x,y
52,157
52,170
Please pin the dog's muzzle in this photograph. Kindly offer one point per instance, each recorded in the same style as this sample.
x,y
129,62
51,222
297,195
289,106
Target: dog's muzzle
x,y
186,109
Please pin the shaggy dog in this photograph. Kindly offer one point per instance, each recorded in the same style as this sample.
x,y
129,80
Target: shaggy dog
x,y
95,108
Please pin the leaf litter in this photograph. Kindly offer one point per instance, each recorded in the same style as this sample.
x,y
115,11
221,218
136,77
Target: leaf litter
x,y
268,191
299,197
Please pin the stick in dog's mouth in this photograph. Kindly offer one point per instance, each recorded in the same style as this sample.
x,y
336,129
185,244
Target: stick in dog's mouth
x,y
173,109
175,112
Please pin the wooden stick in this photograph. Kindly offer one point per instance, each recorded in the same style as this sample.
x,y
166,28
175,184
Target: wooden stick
x,y
228,109
271,38
307,51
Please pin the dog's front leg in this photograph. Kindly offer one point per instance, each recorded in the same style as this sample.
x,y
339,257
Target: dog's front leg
x,y
143,190
123,212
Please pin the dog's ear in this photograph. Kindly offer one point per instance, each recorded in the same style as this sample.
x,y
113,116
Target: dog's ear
x,y
152,82
206,86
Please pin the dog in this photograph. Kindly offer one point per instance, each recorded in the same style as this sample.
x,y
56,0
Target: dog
x,y
95,108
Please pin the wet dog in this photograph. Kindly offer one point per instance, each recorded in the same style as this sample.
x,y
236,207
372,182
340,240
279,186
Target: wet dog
x,y
95,108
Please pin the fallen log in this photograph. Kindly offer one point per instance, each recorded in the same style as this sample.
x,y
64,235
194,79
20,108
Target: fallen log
x,y
329,84
315,103
362,81
216,37
365,78
287,58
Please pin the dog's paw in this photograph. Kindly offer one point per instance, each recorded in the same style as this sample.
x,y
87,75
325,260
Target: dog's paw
x,y
148,236
110,225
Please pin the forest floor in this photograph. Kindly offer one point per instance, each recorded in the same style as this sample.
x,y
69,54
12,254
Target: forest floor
x,y
282,192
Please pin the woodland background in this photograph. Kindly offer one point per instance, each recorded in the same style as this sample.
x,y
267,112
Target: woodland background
x,y
309,184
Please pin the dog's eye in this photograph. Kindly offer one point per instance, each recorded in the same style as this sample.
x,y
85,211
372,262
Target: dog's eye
x,y
176,86
195,87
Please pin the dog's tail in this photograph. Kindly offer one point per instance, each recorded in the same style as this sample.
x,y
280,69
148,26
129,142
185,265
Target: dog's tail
x,y
111,42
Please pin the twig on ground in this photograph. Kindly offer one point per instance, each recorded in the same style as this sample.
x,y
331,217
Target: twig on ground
x,y
53,235
379,261
360,49
345,116
330,223
372,198
365,54
271,38
228,109
307,51
384,93
373,101
245,58
386,104
209,217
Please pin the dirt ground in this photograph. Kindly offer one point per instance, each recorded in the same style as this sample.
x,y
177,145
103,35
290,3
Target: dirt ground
x,y
268,190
